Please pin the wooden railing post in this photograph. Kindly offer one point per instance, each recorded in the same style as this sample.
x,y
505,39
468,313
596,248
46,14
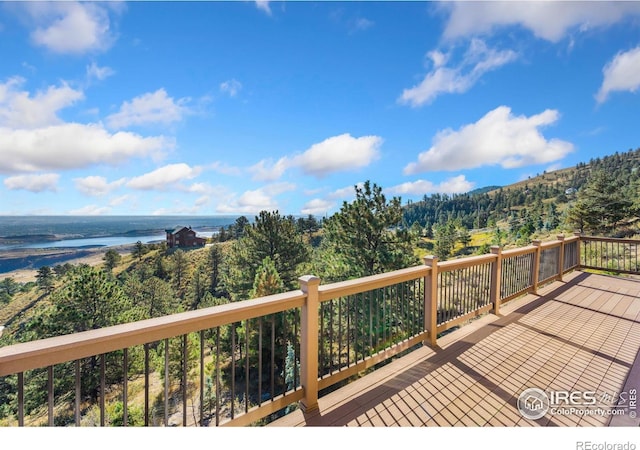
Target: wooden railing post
x,y
536,265
309,343
496,279
560,237
579,249
431,300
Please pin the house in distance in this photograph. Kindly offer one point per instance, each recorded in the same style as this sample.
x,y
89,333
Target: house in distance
x,y
183,237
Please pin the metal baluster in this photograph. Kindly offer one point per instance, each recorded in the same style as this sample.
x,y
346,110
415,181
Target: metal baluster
x,y
217,376
125,387
103,389
273,356
166,382
78,392
201,378
146,385
21,399
50,395
247,333
340,334
233,369
260,361
184,380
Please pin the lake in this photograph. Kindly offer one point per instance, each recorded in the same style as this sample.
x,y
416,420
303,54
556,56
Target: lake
x,y
23,238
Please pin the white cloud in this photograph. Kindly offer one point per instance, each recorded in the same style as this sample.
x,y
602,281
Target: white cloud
x,y
117,201
278,188
338,153
99,73
345,193
149,108
266,170
201,201
250,202
263,5
549,20
622,73
362,23
201,188
90,210
73,145
96,186
19,109
497,138
455,185
71,27
164,177
231,87
478,60
224,168
334,154
254,201
317,206
33,183
329,202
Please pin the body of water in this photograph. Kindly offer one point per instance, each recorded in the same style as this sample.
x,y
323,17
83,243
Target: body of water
x,y
20,234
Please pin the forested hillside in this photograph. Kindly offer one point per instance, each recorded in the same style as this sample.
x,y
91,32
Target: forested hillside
x,y
542,200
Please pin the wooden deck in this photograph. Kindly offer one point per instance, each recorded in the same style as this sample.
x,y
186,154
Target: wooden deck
x,y
582,334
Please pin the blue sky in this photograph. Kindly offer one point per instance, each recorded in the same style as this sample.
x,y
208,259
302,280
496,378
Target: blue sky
x,y
207,108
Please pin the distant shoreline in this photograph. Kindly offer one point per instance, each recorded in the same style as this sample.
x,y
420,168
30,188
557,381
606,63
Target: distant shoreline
x,y
36,258
30,242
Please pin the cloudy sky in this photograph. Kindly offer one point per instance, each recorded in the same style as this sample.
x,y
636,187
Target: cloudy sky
x,y
210,108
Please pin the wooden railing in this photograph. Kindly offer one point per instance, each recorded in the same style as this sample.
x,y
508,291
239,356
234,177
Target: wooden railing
x,y
239,363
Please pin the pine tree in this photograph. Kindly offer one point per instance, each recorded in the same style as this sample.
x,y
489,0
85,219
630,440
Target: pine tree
x,y
111,259
600,205
273,236
44,278
267,280
367,236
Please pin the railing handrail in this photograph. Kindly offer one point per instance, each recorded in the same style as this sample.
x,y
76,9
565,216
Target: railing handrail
x,y
456,264
608,239
343,288
45,352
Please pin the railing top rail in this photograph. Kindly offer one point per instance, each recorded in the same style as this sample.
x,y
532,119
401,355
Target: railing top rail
x,y
550,244
518,251
343,288
55,350
571,239
606,239
463,263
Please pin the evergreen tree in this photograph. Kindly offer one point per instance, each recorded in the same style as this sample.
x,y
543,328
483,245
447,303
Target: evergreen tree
x,y
179,270
45,278
111,259
239,226
9,286
267,280
600,205
138,250
215,266
366,234
446,236
89,299
270,235
152,296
